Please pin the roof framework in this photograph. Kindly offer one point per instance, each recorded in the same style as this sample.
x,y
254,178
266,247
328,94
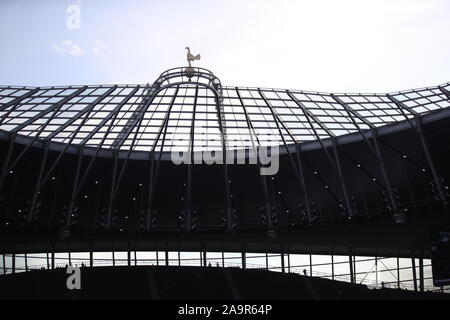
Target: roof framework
x,y
132,117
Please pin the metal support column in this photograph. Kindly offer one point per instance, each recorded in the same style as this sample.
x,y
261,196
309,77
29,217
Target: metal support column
x,y
414,273
336,163
421,276
30,214
4,264
350,262
268,202
267,260
205,263
373,148
128,254
332,266
4,171
418,128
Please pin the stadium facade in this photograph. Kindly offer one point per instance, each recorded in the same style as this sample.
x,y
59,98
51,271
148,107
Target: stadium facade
x,y
88,172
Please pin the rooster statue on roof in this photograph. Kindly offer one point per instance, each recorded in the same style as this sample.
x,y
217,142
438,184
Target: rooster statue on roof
x,y
190,57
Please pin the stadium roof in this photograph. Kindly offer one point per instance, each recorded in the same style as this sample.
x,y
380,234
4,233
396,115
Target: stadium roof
x,y
180,105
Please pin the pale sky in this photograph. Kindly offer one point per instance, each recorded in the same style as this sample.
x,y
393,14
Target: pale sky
x,y
335,46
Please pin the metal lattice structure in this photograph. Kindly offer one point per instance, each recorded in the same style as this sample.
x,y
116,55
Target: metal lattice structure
x,y
133,117
88,163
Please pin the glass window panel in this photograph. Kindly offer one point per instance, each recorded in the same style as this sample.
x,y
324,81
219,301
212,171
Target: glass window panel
x,y
321,265
61,259
146,258
102,259
256,260
233,259
274,262
190,258
121,258
79,258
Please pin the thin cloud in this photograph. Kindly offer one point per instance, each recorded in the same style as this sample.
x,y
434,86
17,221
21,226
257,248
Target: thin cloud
x,y
68,47
99,49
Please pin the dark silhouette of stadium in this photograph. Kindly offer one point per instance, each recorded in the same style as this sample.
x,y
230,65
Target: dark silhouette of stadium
x,y
88,169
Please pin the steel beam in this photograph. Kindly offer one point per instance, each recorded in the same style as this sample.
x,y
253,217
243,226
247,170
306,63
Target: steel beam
x,y
297,170
268,202
18,99
188,204
374,148
54,107
444,91
4,171
112,114
74,189
222,129
154,171
88,109
418,128
136,118
29,216
336,162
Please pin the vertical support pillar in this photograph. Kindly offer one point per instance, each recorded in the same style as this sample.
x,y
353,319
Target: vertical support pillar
x,y
414,273
179,258
223,259
332,266
53,259
243,257
350,261
376,271
128,254
418,128
70,258
310,265
113,258
289,262
340,174
36,192
421,278
48,260
282,262
267,260
26,262
4,171
204,259
4,263
430,160
398,272
157,257
167,257
13,256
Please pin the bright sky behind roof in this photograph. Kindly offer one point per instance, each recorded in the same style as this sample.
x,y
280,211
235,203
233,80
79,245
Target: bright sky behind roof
x,y
338,46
